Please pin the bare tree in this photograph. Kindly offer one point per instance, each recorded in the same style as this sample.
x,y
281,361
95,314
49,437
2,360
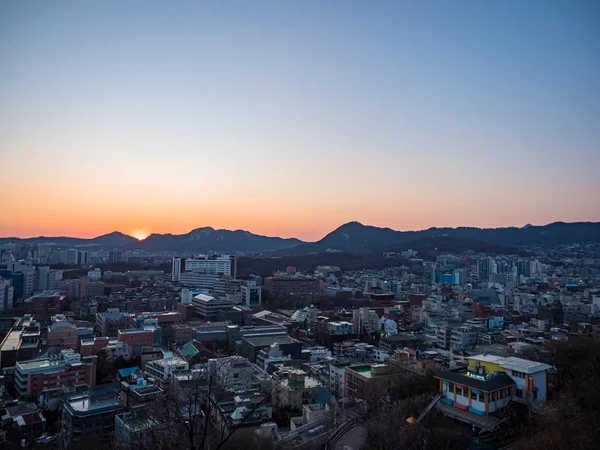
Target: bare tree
x,y
189,415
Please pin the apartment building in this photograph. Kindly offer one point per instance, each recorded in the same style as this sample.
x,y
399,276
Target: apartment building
x,y
360,379
337,379
110,322
208,307
137,339
69,369
45,304
463,337
280,285
62,334
215,264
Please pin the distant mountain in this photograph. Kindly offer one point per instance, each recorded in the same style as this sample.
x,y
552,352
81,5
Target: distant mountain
x,y
114,239
356,237
351,237
200,240
208,239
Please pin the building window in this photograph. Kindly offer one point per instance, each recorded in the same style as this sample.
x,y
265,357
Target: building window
x,y
481,397
519,393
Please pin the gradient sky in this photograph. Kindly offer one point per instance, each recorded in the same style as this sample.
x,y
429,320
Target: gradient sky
x,y
292,117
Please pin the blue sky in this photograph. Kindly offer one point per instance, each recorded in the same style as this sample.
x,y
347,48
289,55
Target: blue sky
x,y
291,118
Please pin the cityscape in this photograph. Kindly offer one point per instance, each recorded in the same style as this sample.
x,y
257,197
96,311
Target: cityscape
x,y
351,225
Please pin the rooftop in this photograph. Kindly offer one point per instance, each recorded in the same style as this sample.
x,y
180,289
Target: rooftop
x,y
490,383
268,340
367,370
513,363
137,424
12,340
98,402
306,383
133,331
175,361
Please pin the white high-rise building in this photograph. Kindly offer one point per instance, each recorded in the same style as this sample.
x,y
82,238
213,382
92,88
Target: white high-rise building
x,y
176,269
216,264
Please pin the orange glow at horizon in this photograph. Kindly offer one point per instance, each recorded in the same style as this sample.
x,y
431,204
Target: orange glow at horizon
x,y
140,234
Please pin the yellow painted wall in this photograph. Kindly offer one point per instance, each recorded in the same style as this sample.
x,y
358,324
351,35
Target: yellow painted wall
x,y
489,367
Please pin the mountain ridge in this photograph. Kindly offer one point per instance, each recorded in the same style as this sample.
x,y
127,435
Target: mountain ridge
x,y
349,237
356,237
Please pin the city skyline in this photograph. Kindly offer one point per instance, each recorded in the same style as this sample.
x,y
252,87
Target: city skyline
x,y
290,119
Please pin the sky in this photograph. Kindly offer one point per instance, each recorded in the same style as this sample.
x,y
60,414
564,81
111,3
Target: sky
x,y
291,118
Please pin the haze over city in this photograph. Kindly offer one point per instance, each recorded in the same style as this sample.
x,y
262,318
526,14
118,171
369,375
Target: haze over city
x,y
291,118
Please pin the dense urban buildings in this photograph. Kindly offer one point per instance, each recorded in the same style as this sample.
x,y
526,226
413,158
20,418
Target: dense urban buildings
x,y
470,334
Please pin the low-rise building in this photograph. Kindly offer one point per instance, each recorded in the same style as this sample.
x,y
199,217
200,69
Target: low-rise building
x,y
463,338
110,346
337,379
136,339
488,385
161,369
361,379
243,409
208,307
296,390
45,304
70,370
21,343
110,322
89,416
62,333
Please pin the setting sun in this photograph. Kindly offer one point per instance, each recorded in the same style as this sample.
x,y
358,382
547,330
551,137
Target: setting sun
x,y
140,234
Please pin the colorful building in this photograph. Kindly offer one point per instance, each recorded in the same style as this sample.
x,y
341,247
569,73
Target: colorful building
x,y
488,384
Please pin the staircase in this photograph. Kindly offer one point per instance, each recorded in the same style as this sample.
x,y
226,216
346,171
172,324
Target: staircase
x,y
429,406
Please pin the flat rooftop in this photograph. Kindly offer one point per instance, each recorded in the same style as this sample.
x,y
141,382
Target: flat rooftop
x,y
367,372
133,330
268,340
168,361
513,363
306,383
87,404
11,341
41,364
